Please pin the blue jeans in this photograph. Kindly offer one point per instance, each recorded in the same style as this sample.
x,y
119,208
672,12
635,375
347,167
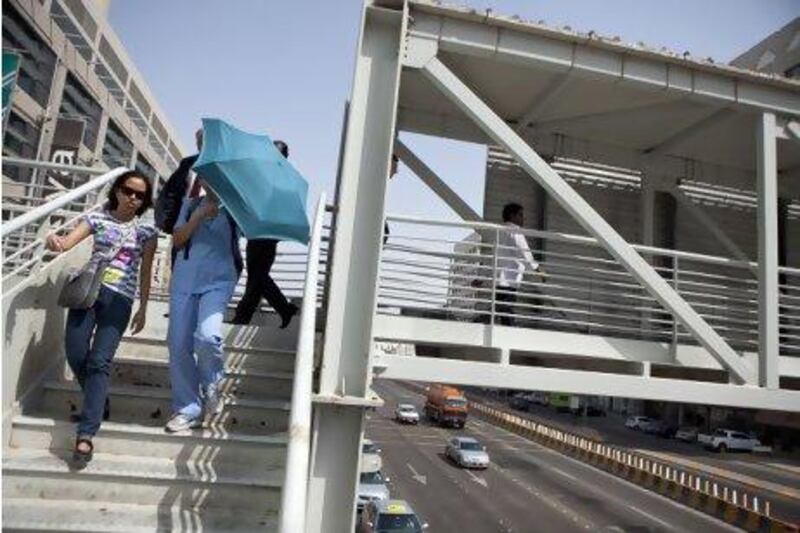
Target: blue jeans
x,y
90,356
195,329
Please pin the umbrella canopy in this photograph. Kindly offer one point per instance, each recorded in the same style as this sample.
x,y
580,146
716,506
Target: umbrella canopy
x,y
262,191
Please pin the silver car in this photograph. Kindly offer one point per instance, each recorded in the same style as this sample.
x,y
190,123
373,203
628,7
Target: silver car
x,y
467,452
372,488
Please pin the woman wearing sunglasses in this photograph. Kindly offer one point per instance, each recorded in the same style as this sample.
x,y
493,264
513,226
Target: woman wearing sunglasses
x,y
93,335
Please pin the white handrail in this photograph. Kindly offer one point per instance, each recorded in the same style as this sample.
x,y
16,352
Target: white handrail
x,y
295,486
47,165
46,209
580,239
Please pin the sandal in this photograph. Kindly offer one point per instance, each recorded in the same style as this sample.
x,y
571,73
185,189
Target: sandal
x,y
82,457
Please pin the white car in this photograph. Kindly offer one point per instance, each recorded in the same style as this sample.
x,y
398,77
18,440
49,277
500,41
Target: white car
x,y
723,440
686,434
370,457
637,422
406,413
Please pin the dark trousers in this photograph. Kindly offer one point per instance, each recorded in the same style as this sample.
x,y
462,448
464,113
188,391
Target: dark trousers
x,y
260,257
91,340
505,298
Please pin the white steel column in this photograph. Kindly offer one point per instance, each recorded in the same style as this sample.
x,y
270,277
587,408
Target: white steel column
x,y
435,183
452,87
354,270
767,169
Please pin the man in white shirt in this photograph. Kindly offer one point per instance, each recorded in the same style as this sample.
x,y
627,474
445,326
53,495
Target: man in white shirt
x,y
514,257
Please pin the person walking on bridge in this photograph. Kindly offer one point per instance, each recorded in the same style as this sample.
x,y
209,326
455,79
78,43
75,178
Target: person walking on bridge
x,y
260,258
207,266
93,335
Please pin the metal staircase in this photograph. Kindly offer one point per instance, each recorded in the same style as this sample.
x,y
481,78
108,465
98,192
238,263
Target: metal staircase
x,y
226,477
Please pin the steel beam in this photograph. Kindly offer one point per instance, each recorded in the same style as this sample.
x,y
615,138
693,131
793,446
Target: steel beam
x,y
767,170
435,183
354,266
543,101
690,131
519,377
455,90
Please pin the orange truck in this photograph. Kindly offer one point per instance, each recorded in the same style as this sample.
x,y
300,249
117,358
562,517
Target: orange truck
x,y
446,405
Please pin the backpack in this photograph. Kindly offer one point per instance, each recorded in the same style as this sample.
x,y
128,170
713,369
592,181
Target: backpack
x,y
168,203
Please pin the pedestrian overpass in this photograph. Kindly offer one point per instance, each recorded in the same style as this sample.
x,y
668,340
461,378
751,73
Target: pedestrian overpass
x,y
612,317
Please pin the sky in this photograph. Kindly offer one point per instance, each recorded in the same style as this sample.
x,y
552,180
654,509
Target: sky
x,y
285,67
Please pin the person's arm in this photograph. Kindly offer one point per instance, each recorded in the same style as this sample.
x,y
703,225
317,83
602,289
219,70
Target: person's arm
x,y
182,234
59,245
522,245
144,284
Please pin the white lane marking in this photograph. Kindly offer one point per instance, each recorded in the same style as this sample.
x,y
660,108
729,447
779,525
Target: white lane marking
x,y
568,476
422,479
651,517
477,479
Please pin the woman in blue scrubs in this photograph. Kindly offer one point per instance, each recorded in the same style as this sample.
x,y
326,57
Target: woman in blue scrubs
x,y
207,267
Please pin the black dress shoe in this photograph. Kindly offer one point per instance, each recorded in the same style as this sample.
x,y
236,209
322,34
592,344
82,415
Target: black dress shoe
x,y
287,318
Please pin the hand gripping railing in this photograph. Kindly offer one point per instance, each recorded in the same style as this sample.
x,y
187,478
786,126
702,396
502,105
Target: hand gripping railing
x,y
295,486
22,236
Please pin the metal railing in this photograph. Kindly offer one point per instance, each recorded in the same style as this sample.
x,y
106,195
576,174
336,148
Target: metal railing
x,y
295,487
449,270
26,225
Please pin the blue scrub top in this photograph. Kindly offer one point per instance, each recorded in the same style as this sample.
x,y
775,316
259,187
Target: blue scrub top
x,y
210,263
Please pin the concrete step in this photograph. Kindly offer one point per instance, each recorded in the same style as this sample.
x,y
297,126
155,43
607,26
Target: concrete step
x,y
251,384
256,451
237,357
168,483
151,406
22,514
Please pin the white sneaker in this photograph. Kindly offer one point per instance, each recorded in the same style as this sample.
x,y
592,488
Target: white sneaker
x,y
213,403
182,422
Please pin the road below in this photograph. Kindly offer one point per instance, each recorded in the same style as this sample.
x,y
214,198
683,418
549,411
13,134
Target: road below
x,y
527,487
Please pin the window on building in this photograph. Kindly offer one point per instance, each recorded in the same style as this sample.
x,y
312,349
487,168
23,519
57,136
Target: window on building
x,y
144,166
38,61
117,148
78,103
21,139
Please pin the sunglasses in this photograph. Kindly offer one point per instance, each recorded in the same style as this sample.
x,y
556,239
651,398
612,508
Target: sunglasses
x,y
137,195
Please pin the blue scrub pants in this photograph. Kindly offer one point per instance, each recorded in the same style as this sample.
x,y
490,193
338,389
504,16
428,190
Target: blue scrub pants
x,y
195,345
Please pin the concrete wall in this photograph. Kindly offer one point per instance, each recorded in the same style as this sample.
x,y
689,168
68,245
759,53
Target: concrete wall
x,y
33,326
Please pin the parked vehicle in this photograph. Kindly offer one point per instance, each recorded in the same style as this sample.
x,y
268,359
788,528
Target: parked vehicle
x,y
371,487
593,410
658,427
406,413
385,516
519,402
687,434
723,440
467,452
539,398
446,405
370,457
635,422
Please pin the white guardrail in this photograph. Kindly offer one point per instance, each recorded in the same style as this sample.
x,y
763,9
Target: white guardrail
x,y
295,487
448,270
29,214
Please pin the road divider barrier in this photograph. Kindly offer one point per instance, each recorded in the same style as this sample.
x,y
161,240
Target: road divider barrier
x,y
732,505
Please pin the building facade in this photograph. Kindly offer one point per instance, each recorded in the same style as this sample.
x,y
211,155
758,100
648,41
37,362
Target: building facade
x,y
79,99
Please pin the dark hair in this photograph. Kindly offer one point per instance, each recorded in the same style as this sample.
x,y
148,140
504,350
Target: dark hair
x,y
510,210
282,147
147,203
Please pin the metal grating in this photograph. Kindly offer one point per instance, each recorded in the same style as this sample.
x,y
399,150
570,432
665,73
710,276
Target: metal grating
x,y
113,60
82,15
138,98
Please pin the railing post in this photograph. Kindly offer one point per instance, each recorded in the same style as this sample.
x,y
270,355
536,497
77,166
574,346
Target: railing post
x,y
674,346
494,274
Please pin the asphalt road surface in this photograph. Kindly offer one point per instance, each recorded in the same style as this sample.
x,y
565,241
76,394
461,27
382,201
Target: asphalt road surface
x,y
527,488
775,479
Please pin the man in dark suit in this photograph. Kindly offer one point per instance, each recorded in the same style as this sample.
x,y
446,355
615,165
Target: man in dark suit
x,y
260,257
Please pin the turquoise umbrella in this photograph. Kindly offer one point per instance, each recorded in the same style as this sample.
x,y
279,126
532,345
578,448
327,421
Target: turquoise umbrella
x,y
262,191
